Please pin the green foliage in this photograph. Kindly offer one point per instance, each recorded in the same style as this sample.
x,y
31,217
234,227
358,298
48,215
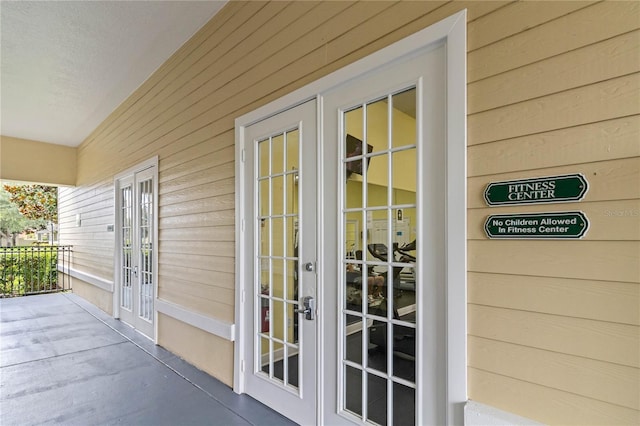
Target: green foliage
x,y
27,270
36,202
11,220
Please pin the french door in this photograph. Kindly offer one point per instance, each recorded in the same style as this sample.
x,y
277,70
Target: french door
x,y
384,328
280,359
136,234
378,195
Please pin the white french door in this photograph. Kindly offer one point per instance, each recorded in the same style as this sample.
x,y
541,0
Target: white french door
x,y
136,249
383,207
384,328
279,243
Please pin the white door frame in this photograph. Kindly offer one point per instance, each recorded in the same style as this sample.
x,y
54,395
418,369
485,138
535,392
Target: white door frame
x,y
151,163
451,31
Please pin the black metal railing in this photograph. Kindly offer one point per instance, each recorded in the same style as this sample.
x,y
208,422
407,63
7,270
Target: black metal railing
x,y
34,270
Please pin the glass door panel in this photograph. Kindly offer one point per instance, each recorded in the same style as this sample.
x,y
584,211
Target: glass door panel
x,y
379,304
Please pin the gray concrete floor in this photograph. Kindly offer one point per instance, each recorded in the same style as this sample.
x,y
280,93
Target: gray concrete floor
x,y
64,361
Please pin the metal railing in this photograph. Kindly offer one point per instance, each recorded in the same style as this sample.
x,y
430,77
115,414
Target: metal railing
x,y
34,270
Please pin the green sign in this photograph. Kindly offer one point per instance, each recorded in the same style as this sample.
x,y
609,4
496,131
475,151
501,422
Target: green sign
x,y
552,189
556,225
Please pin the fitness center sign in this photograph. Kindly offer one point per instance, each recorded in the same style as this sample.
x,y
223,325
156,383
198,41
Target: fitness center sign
x,y
563,225
553,189
553,225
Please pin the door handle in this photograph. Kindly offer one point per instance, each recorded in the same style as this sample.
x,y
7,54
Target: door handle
x,y
135,271
309,310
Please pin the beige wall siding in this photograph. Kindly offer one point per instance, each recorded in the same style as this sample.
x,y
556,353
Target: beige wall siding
x,y
554,326
553,88
31,161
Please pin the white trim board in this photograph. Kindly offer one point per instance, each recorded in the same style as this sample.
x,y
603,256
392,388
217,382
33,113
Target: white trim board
x,y
101,283
210,325
477,414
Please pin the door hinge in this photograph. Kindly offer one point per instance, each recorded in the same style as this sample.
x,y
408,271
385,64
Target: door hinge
x,y
242,154
242,365
242,296
242,225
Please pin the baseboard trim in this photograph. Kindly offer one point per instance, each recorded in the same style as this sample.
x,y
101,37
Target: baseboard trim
x,y
477,414
210,325
101,283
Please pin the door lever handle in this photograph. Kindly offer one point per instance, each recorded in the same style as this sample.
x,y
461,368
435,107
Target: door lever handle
x,y
309,309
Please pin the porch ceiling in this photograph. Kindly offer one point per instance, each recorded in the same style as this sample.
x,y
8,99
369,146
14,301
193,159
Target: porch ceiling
x,y
66,65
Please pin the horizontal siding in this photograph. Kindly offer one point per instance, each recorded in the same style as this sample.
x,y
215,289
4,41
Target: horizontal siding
x,y
599,340
611,58
555,37
93,245
515,18
606,100
554,326
607,301
588,143
602,381
547,404
598,260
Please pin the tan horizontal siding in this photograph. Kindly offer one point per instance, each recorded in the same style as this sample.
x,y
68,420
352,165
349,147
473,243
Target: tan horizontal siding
x,y
602,381
599,340
579,298
598,260
214,248
212,308
618,97
546,404
568,32
199,191
605,140
515,18
591,64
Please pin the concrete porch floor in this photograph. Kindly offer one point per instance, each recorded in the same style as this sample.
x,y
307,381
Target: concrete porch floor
x,y
62,360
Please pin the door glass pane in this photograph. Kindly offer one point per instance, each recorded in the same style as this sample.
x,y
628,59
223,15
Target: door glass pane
x,y
264,197
293,152
380,218
277,154
404,118
376,344
376,399
404,171
353,390
277,237
354,293
378,125
378,181
353,338
264,148
292,280
278,283
404,339
277,196
404,405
